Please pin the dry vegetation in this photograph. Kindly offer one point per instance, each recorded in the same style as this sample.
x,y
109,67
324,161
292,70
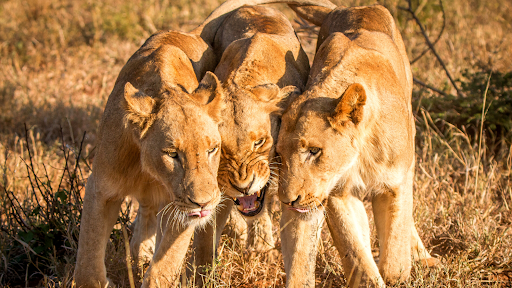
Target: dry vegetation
x,y
59,60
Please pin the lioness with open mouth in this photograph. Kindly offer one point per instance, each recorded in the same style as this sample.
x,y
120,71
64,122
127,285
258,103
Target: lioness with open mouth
x,y
262,64
351,135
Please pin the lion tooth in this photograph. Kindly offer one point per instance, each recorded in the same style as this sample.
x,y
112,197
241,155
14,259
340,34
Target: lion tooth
x,y
258,193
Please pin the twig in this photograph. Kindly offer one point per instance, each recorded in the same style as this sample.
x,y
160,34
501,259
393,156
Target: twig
x,y
128,257
428,86
65,159
47,197
480,139
438,36
430,45
30,168
77,162
16,213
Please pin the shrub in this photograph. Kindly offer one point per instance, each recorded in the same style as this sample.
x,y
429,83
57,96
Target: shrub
x,y
466,111
39,236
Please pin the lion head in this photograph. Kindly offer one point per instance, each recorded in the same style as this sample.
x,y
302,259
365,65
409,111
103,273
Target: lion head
x,y
180,143
317,147
247,167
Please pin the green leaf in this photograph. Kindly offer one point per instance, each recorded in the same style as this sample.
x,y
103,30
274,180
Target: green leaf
x,y
26,236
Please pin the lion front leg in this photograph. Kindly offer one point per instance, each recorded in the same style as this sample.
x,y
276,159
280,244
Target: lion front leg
x,y
348,224
419,252
172,244
393,218
299,240
236,226
99,215
142,244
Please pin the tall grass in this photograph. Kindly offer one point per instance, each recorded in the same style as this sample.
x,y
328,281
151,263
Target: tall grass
x,y
60,59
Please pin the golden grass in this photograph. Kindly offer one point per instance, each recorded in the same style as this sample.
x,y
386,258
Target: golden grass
x,y
59,62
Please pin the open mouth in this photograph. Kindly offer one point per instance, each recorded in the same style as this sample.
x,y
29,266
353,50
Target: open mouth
x,y
251,205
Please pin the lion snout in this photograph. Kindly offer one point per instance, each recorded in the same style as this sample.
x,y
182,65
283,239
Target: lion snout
x,y
203,197
288,197
199,203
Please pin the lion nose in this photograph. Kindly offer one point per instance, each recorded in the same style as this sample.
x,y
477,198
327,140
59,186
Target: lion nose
x,y
199,204
296,201
244,190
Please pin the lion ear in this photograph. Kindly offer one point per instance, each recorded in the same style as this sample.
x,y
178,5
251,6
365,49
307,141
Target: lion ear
x,y
210,93
207,89
350,107
276,98
266,92
139,108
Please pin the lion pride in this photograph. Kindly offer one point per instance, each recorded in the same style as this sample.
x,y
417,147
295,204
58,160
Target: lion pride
x,y
350,135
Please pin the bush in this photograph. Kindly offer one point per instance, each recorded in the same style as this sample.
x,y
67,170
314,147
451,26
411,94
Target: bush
x,y
466,111
39,236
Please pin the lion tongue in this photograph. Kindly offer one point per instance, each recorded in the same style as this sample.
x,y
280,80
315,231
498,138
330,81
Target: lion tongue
x,y
248,202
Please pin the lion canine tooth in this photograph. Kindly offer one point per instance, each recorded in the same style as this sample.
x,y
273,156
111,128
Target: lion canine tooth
x,y
258,193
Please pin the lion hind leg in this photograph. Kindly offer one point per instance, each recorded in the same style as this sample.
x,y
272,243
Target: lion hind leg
x,y
419,252
348,224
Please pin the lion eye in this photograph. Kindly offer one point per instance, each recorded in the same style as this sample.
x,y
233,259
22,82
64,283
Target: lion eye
x,y
172,154
314,150
212,150
259,142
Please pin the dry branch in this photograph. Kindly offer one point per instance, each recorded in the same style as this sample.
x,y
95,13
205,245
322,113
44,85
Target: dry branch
x,y
438,36
428,86
431,45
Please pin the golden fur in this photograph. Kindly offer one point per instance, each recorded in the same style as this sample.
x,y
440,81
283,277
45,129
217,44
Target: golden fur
x,y
351,135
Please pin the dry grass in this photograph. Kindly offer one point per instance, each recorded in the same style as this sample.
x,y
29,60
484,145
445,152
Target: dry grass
x,y
59,62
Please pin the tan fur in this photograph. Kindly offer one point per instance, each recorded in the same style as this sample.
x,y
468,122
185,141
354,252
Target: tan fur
x,y
351,135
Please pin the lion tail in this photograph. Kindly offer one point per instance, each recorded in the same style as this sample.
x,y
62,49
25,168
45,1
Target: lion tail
x,y
210,26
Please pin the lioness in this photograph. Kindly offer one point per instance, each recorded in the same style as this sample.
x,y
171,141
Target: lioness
x,y
158,142
262,64
159,145
351,135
